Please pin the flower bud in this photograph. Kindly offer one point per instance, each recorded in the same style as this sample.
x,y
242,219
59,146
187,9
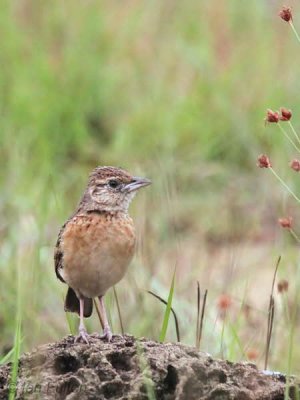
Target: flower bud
x,y
285,222
224,302
295,165
252,354
272,116
286,14
263,161
285,114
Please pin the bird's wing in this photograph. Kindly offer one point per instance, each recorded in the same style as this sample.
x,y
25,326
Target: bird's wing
x,y
58,254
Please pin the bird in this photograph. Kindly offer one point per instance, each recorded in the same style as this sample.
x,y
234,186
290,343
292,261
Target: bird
x,y
96,244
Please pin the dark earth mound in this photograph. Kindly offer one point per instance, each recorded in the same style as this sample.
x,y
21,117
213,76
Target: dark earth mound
x,y
128,368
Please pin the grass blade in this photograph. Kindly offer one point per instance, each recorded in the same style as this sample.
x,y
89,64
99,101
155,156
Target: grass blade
x,y
15,362
146,371
236,340
7,356
165,324
173,312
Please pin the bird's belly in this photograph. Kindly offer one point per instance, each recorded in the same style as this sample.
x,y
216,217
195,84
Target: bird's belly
x,y
100,273
93,262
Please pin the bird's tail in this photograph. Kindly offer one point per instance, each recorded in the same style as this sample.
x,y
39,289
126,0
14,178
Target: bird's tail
x,y
72,304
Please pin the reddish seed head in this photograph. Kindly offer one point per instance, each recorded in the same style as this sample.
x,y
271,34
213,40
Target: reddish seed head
x,y
282,286
263,161
252,354
224,302
286,14
285,114
295,165
285,222
272,116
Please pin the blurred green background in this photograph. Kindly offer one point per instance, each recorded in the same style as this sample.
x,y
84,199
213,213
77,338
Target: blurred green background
x,y
176,91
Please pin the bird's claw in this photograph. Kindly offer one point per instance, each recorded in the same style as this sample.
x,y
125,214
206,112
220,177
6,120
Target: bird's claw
x,y
107,334
83,336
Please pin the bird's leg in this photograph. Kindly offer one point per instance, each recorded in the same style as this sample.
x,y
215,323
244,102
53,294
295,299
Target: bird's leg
x,y
82,331
106,328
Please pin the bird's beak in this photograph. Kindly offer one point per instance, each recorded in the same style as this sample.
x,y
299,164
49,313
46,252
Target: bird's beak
x,y
136,184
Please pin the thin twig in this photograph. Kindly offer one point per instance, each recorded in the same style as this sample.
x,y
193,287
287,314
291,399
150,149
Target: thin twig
x,y
119,310
294,30
202,318
269,329
295,236
288,138
294,131
271,311
285,185
173,312
222,338
275,273
99,313
198,312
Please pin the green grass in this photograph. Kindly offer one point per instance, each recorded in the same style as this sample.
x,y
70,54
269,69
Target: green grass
x,y
15,361
167,314
146,371
174,91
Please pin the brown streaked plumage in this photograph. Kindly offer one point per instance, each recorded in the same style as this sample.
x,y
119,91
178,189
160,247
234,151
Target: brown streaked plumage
x,y
95,246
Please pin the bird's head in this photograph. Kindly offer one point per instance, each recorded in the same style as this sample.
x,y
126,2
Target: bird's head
x,y
111,189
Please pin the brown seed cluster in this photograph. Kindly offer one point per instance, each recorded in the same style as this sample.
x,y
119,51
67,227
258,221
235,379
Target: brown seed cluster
x,y
285,222
286,14
283,286
263,161
295,165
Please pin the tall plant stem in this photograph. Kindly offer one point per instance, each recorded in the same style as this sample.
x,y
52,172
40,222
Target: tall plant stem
x,y
295,236
289,139
271,311
294,30
285,185
294,131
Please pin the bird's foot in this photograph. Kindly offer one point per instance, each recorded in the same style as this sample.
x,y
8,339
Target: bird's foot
x,y
107,334
83,336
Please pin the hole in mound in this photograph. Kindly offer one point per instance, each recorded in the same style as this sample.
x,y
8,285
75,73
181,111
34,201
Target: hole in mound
x,y
171,379
106,373
221,394
129,344
120,361
65,363
67,387
2,381
217,376
112,390
293,392
222,377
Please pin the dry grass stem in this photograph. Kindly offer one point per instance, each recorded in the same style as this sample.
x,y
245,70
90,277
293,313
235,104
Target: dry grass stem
x,y
271,311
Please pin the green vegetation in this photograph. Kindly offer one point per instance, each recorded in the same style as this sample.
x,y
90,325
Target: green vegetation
x,y
165,324
176,91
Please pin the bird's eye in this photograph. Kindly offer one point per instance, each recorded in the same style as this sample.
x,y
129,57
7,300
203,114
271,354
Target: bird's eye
x,y
113,183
